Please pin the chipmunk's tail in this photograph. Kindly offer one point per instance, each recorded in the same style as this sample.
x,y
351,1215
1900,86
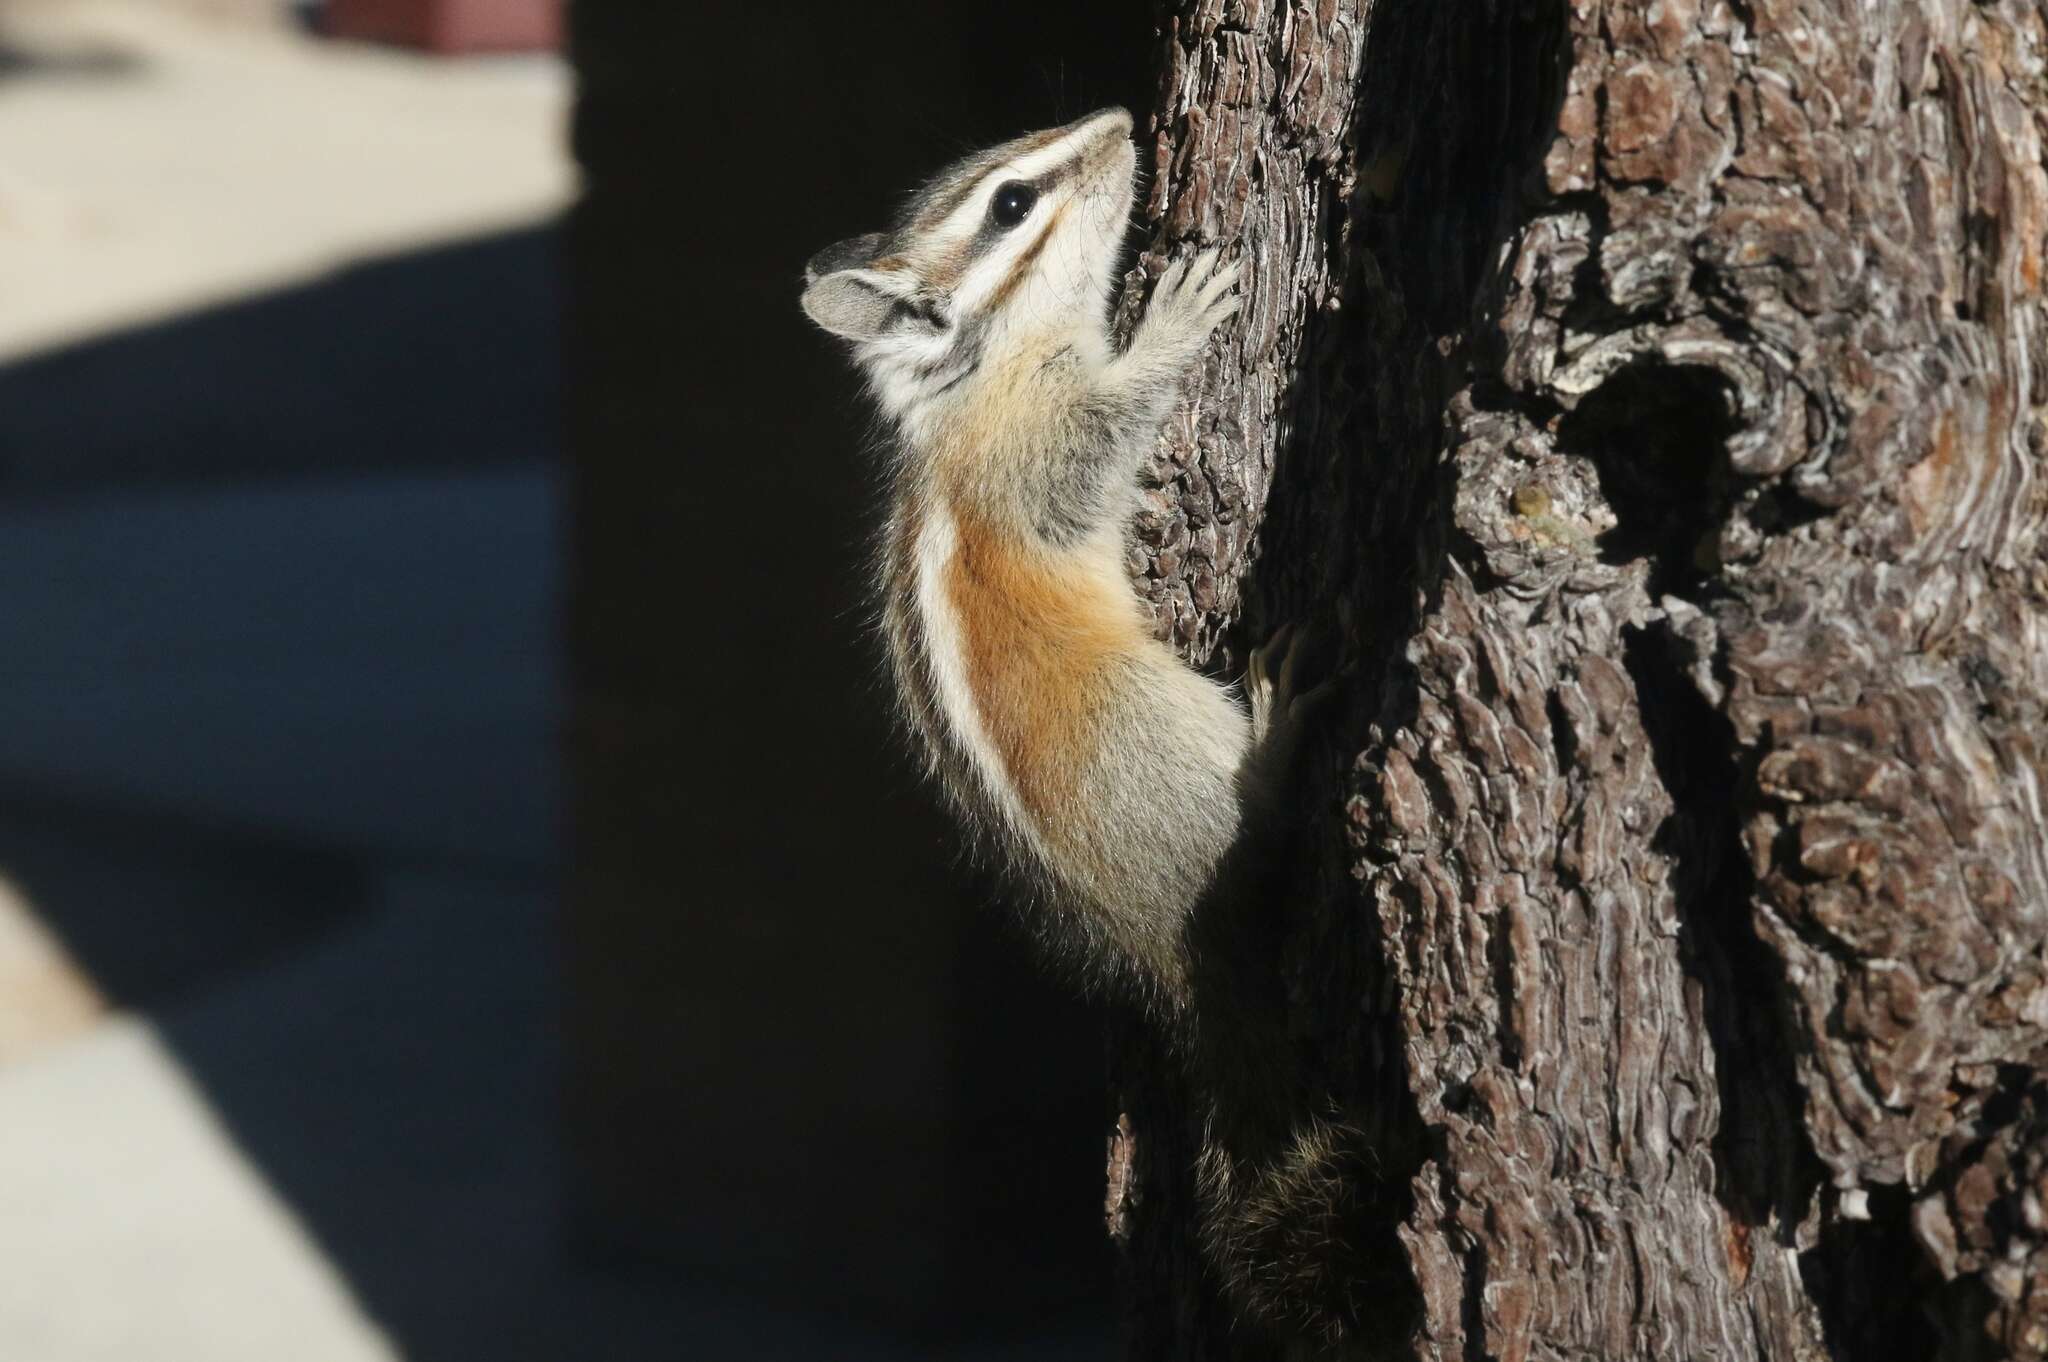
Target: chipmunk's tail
x,y
1279,1225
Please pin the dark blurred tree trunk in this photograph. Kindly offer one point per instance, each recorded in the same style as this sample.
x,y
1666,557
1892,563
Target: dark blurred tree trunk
x,y
801,1057
1659,382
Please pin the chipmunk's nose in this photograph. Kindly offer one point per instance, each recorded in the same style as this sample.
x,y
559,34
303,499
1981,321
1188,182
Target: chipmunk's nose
x,y
1101,138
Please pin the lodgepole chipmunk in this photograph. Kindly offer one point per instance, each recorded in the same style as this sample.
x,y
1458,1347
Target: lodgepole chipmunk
x,y
1115,778
1105,767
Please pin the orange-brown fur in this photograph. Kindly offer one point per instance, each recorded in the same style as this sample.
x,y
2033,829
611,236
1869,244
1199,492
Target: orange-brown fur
x,y
1042,639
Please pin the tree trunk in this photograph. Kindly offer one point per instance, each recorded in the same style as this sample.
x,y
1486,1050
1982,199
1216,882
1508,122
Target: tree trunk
x,y
1647,390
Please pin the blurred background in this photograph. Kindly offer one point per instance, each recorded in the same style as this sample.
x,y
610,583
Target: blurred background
x,y
460,895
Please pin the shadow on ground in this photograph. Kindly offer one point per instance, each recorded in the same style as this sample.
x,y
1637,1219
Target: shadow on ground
x,y
95,61
279,701
277,730
438,359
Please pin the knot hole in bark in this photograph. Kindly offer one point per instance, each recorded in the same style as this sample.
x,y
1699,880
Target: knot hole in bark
x,y
1657,434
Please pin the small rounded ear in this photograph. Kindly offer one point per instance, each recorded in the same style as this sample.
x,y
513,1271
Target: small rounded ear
x,y
856,252
852,303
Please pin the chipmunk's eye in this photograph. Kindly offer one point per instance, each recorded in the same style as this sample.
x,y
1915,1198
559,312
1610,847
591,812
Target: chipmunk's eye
x,y
1012,203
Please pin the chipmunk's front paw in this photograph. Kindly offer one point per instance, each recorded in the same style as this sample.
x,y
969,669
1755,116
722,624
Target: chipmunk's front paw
x,y
1268,663
1277,682
1191,300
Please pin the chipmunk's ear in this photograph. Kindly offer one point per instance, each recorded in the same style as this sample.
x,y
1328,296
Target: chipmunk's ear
x,y
845,297
856,252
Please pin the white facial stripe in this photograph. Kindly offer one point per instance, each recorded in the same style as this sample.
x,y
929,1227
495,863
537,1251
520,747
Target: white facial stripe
x,y
994,269
963,222
1046,160
1068,259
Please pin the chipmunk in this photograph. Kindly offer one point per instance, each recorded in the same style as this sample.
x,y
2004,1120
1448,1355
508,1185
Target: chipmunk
x,y
1104,766
1116,779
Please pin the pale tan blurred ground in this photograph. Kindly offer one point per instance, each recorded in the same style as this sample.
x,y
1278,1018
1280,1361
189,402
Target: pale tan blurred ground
x,y
159,155
159,158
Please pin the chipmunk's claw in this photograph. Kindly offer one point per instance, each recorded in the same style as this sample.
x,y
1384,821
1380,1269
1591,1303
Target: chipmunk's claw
x,y
1275,677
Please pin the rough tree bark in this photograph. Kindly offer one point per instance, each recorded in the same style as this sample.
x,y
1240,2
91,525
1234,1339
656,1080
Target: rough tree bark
x,y
1656,380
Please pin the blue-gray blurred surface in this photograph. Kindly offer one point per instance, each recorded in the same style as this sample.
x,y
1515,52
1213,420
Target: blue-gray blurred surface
x,y
364,664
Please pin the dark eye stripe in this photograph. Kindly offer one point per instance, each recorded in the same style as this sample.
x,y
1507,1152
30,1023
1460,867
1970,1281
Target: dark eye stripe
x,y
958,182
919,310
993,230
1025,262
